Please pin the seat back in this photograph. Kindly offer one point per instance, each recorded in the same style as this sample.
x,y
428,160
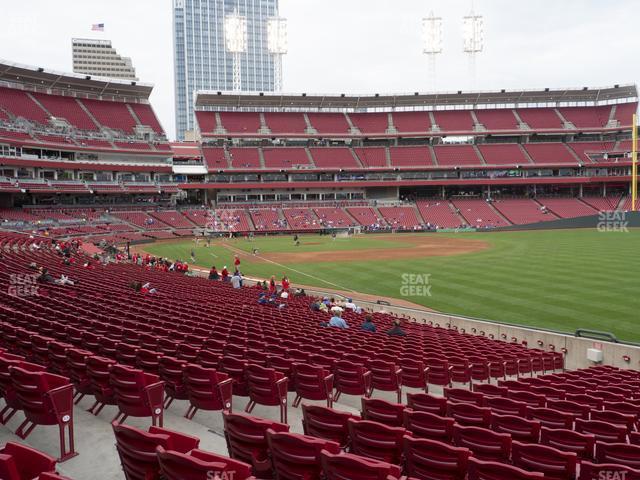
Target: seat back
x,y
505,406
385,376
469,414
346,466
350,378
484,470
581,444
246,439
541,458
309,381
20,462
551,418
200,465
485,444
430,459
130,387
607,471
621,453
381,411
203,387
137,449
461,395
602,431
326,423
424,402
297,456
438,372
518,427
171,371
428,425
375,440
98,371
413,374
261,383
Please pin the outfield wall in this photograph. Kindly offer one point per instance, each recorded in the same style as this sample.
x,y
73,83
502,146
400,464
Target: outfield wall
x,y
606,221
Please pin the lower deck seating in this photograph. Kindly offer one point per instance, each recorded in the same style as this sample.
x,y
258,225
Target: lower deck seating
x,y
478,213
367,217
404,218
438,213
568,207
523,211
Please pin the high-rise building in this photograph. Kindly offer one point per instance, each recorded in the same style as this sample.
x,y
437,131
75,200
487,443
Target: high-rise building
x,y
202,60
98,57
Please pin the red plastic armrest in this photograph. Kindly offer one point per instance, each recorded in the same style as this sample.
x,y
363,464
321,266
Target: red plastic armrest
x,y
328,384
282,385
155,395
62,402
226,393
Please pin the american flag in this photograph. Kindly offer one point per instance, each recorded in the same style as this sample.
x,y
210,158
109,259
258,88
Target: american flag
x,y
97,27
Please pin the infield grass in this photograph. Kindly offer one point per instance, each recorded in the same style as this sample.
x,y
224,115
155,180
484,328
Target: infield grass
x,y
560,280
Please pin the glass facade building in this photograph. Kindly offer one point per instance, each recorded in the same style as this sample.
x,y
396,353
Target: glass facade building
x,y
201,61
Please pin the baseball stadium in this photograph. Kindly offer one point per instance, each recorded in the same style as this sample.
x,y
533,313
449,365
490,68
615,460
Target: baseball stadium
x,y
428,285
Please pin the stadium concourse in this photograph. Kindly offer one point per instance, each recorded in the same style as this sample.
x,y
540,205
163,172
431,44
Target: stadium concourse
x,y
202,380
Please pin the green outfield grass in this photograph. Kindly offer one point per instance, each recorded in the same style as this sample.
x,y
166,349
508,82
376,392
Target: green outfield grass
x,y
561,280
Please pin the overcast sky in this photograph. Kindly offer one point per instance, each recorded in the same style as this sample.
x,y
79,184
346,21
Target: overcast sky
x,y
358,46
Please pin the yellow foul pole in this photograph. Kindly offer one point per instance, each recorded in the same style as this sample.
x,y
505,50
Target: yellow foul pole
x,y
634,165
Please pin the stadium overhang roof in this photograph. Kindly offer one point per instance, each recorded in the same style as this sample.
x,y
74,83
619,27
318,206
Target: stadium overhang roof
x,y
207,100
44,79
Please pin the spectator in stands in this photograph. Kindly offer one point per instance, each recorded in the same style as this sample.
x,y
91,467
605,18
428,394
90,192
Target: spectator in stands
x,y
236,279
285,283
236,261
225,274
213,274
45,276
299,292
147,288
368,324
273,288
350,305
396,330
337,321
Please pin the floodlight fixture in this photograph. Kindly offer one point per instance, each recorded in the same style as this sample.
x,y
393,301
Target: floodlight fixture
x,y
235,37
278,46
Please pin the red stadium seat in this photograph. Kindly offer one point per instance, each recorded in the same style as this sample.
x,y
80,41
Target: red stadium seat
x,y
413,373
77,366
327,423
541,458
375,440
98,371
488,389
297,456
627,420
20,462
551,418
267,387
460,395
519,428
569,441
235,368
207,389
351,379
607,471
578,410
438,372
505,406
247,442
137,394
428,425
354,467
381,411
427,403
45,399
621,453
485,444
137,449
200,465
171,372
385,376
433,460
483,470
469,414
7,389
602,431
312,382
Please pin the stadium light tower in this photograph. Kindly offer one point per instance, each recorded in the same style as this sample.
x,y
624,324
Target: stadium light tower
x,y
432,38
473,40
278,45
235,35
